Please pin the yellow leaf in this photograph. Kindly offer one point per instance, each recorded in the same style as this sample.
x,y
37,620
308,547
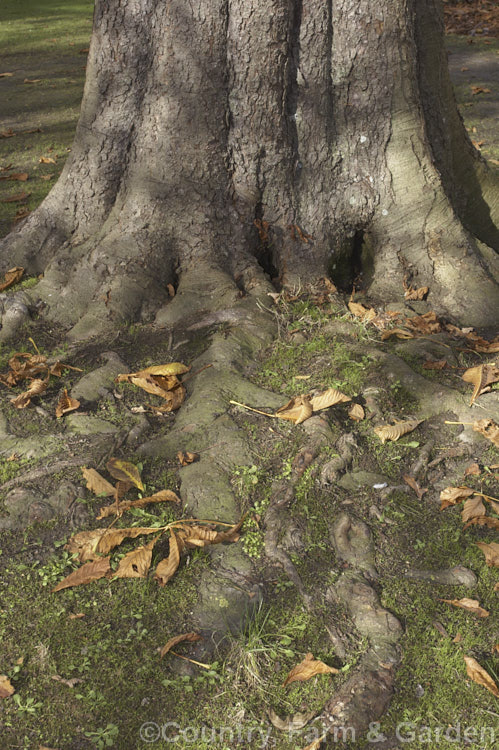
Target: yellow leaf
x,y
491,552
173,368
454,495
11,277
124,471
308,668
472,605
328,398
66,404
356,412
6,687
472,508
480,676
89,572
118,509
136,563
96,483
167,567
394,432
189,637
297,410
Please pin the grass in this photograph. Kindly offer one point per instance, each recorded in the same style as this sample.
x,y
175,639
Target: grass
x,y
39,41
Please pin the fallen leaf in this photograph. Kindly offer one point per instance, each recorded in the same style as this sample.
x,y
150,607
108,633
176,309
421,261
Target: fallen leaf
x,y
438,364
32,80
46,176
328,398
124,471
472,470
414,485
416,294
16,198
400,333
454,495
472,605
21,213
364,313
491,552
70,683
290,723
297,410
315,744
36,388
457,638
167,567
356,412
46,160
96,483
88,544
19,176
472,508
6,687
119,508
90,571
171,290
479,90
481,377
480,676
136,563
424,324
7,133
66,404
6,75
488,429
185,637
11,277
308,668
76,616
187,457
394,432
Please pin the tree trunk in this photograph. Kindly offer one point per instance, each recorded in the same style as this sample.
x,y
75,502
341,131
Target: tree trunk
x,y
295,139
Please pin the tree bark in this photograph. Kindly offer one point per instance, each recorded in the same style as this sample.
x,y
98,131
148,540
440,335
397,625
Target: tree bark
x,y
274,137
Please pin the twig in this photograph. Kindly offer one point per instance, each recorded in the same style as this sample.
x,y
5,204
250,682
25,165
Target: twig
x,y
250,408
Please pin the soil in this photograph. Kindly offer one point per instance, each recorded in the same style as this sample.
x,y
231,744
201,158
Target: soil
x,y
339,555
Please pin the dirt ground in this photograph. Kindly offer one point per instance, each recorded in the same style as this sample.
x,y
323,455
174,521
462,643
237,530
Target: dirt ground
x,y
331,507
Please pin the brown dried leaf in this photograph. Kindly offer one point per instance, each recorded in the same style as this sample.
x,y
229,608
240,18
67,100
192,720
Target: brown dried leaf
x,y
136,563
290,723
488,429
174,400
438,364
481,377
124,471
7,133
400,333
6,687
414,485
88,544
46,160
364,313
423,324
19,176
16,198
491,523
118,509
89,572
185,637
472,605
114,537
36,388
395,431
32,80
96,483
479,90
187,457
6,75
69,683
328,398
308,668
297,410
472,470
416,294
166,568
66,404
11,277
315,744
454,495
172,368
491,552
356,412
472,508
480,676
